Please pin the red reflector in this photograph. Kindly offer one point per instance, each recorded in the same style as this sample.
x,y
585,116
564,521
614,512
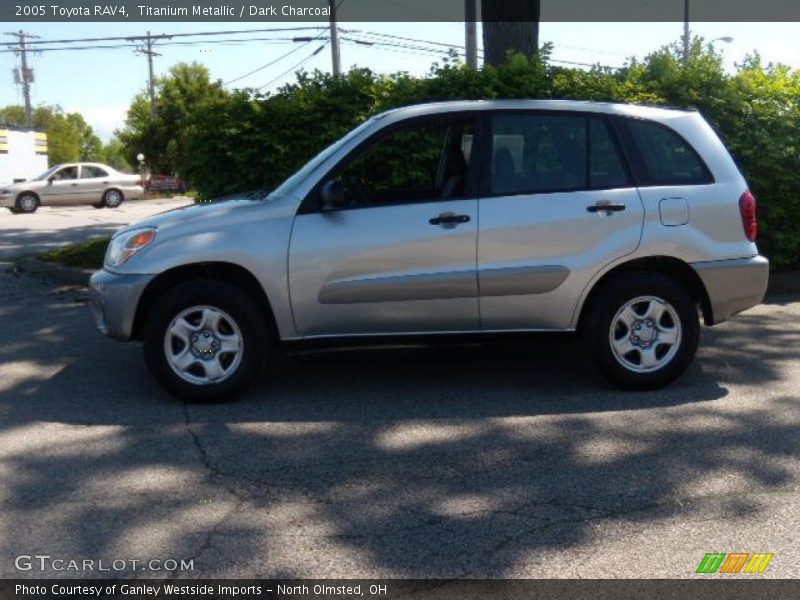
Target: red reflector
x,y
747,207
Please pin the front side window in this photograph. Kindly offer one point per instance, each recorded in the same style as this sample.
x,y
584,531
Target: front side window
x,y
539,153
90,172
418,162
665,158
66,173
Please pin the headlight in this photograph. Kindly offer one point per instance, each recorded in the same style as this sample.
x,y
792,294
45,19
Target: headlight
x,y
126,244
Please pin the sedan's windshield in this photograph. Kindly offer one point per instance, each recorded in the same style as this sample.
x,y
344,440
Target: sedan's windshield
x,y
46,174
320,158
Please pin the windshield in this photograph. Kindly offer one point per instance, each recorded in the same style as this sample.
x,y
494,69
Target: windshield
x,y
47,173
312,165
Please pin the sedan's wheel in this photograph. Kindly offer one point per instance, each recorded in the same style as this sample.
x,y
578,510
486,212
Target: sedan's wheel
x,y
112,198
99,205
27,202
205,341
643,331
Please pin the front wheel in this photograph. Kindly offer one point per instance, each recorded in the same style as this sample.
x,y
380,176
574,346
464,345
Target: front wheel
x,y
27,202
205,341
643,331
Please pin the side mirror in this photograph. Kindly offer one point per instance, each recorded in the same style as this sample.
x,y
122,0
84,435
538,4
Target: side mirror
x,y
51,179
332,195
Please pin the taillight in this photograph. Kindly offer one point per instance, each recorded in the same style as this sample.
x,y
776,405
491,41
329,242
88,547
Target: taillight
x,y
747,208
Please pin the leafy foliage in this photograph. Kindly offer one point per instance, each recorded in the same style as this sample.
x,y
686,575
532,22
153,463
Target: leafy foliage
x,y
69,136
226,142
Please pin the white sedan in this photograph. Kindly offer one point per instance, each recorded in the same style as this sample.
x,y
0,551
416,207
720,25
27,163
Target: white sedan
x,y
71,184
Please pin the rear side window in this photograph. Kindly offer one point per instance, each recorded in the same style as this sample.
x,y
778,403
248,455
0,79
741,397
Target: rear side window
x,y
664,157
539,153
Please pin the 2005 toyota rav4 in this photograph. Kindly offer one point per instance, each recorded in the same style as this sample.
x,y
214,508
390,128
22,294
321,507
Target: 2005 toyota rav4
x,y
622,223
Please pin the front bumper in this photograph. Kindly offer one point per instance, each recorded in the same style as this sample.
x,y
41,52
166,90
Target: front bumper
x,y
733,285
114,298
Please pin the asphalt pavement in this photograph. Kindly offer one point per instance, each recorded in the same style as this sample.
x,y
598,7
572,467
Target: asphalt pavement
x,y
50,227
472,461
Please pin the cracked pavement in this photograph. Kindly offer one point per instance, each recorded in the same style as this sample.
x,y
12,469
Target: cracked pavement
x,y
465,461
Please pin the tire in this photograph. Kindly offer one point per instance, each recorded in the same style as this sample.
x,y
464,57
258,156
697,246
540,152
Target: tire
x,y
100,204
204,372
14,210
643,330
27,202
112,199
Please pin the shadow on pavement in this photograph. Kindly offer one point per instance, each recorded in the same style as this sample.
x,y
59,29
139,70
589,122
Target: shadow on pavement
x,y
453,461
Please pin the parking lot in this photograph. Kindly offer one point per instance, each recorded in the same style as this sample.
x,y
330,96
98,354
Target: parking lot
x,y
469,461
49,226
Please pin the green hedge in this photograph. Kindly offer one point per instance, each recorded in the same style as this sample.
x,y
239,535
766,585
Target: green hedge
x,y
245,141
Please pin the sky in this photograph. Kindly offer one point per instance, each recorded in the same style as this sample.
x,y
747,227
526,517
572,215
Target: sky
x,y
100,83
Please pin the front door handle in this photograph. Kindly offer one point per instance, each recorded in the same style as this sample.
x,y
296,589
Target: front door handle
x,y
449,220
606,207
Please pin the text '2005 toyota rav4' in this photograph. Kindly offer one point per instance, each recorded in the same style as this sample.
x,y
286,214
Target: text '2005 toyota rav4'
x,y
623,223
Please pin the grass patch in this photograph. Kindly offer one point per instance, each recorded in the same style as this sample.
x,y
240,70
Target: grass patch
x,y
85,255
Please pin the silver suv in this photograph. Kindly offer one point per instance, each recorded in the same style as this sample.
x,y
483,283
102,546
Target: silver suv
x,y
622,223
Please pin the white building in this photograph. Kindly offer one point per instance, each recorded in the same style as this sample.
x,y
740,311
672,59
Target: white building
x,y
23,153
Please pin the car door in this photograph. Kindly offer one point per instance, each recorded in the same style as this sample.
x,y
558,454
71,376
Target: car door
x,y
557,205
93,183
399,255
62,187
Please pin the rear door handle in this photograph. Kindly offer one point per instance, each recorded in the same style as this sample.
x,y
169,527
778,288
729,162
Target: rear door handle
x,y
449,219
606,207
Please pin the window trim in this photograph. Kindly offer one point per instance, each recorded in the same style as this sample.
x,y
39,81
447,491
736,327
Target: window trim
x,y
637,162
587,116
311,203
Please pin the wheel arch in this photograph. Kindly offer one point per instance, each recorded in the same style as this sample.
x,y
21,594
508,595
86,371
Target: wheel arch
x,y
223,271
674,268
31,192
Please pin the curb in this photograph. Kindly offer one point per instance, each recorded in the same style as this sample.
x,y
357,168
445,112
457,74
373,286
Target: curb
x,y
786,282
52,271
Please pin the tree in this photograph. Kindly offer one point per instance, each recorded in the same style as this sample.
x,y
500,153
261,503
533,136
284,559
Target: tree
x,y
186,89
115,156
509,26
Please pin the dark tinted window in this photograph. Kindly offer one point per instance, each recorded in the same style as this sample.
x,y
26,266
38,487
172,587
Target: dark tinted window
x,y
536,153
88,172
607,170
666,158
422,161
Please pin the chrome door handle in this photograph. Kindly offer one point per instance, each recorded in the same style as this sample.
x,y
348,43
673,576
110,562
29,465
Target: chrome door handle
x,y
606,207
449,219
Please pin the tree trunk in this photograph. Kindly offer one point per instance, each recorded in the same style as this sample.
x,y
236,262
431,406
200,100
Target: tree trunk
x,y
509,26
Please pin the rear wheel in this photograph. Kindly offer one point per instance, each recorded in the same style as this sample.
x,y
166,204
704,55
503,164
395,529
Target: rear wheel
x,y
205,341
643,331
112,199
27,202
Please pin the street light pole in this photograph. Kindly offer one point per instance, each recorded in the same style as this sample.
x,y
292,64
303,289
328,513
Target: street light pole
x,y
335,55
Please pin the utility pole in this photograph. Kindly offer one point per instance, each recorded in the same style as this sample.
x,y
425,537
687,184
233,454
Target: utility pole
x,y
471,33
149,41
685,32
335,57
25,73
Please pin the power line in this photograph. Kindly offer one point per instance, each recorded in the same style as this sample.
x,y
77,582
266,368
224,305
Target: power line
x,y
277,60
294,67
174,35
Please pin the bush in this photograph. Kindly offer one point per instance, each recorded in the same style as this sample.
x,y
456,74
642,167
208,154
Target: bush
x,y
244,140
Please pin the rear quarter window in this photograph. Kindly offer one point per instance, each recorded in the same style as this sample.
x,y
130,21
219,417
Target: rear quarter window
x,y
662,157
